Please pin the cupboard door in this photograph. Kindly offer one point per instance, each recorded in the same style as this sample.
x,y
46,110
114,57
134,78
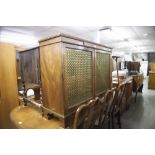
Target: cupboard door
x,y
102,69
78,76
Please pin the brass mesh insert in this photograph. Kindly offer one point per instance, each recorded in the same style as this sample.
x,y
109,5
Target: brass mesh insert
x,y
78,76
102,72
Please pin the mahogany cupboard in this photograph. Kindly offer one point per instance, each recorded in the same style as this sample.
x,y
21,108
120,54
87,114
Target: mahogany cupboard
x,y
73,71
8,83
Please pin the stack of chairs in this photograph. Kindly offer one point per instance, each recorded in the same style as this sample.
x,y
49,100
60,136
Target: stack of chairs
x,y
101,111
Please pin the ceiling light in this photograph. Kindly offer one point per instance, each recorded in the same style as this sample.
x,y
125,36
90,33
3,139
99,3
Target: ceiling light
x,y
105,28
145,34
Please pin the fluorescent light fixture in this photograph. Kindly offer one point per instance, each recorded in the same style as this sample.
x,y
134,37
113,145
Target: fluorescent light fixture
x,y
145,34
105,28
18,39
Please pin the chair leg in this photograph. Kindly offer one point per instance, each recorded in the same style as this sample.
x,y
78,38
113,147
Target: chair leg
x,y
108,123
136,96
112,119
119,120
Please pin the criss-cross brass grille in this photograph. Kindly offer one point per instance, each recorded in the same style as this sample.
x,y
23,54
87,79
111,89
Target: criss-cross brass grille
x,y
78,76
102,72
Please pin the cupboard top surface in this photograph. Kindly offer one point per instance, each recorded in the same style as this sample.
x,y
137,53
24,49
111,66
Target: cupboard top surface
x,y
73,40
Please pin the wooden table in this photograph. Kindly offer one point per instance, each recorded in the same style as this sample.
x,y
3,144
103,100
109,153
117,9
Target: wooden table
x,y
26,117
126,80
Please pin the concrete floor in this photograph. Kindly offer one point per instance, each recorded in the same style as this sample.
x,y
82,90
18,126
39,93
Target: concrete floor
x,y
141,115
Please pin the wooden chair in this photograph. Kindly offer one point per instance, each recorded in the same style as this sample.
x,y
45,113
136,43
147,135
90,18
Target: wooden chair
x,y
94,114
137,84
103,112
117,102
83,116
107,108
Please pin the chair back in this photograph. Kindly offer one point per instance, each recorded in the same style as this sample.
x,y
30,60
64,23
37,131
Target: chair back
x,y
94,114
109,99
121,93
82,114
107,104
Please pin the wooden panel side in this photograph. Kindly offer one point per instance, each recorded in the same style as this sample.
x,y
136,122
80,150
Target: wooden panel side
x,y
51,76
8,84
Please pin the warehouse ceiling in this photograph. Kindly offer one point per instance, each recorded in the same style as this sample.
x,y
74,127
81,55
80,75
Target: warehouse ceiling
x,y
123,39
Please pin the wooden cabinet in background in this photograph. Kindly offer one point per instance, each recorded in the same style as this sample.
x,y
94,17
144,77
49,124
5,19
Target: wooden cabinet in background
x,y
30,65
151,80
8,84
153,66
73,71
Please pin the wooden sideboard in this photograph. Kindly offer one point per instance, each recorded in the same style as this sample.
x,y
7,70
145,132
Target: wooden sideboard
x,y
73,71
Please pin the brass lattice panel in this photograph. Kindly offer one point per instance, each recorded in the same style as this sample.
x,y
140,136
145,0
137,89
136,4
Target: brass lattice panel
x,y
78,76
102,72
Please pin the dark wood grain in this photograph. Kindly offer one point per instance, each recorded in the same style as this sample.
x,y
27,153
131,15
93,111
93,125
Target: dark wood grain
x,y
29,64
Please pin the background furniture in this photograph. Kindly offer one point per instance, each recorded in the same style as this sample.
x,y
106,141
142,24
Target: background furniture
x,y
151,80
29,66
133,67
8,83
151,59
28,71
153,66
35,88
73,71
137,83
